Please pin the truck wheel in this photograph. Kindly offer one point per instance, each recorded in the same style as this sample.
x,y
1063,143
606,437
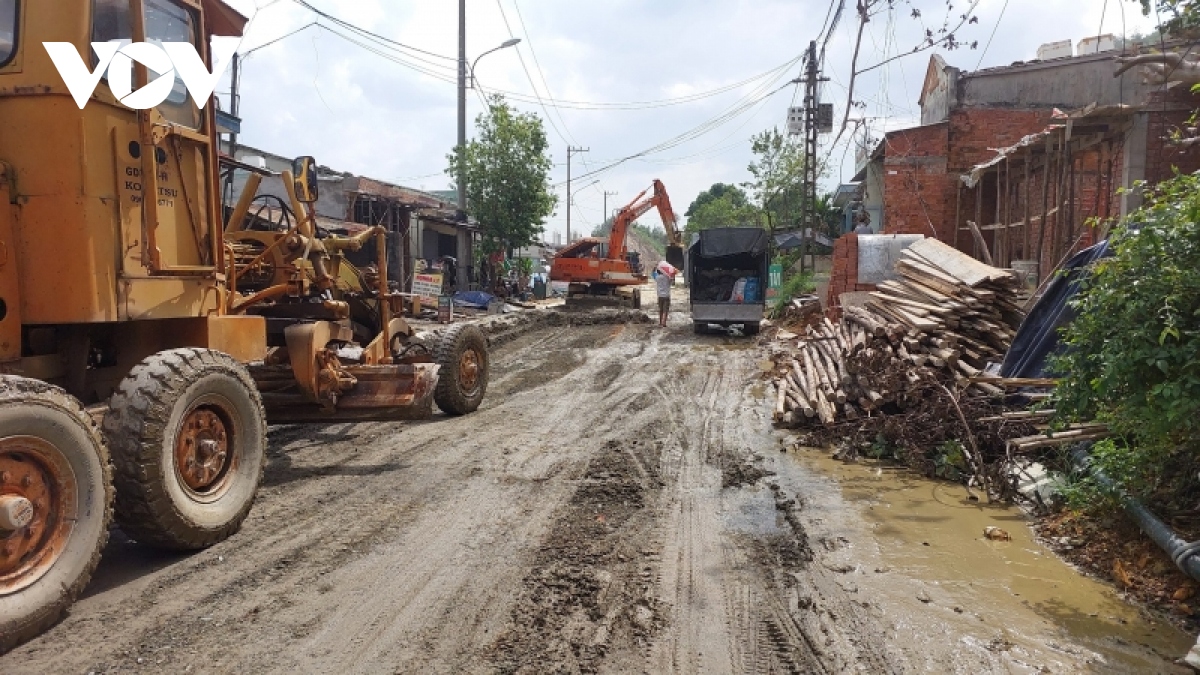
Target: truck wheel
x,y
55,505
751,329
188,438
463,377
699,328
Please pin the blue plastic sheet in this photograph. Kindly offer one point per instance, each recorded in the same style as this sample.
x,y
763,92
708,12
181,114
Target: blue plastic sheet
x,y
473,299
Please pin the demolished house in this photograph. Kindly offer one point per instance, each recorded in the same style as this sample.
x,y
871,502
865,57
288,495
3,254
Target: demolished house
x,y
1012,164
422,228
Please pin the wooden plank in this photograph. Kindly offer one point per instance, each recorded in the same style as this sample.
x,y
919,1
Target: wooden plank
x,y
958,265
911,306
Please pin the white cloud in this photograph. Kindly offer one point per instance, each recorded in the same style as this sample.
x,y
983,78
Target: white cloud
x,y
315,93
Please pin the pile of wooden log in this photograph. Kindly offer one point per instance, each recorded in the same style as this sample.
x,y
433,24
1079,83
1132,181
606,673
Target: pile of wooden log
x,y
938,325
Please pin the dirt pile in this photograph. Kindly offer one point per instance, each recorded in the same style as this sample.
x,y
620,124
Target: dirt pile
x,y
507,327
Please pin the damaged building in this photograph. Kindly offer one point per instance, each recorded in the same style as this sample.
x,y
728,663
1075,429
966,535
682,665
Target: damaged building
x,y
1021,165
422,227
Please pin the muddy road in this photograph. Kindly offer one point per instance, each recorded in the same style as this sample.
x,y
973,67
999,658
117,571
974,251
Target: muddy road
x,y
619,505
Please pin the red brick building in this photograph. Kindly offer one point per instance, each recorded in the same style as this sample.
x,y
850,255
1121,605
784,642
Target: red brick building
x,y
1030,153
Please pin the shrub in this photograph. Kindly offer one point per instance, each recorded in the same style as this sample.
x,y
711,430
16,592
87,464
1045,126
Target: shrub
x,y
1133,352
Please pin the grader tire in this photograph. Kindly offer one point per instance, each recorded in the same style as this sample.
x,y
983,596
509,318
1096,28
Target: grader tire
x,y
52,457
187,433
463,377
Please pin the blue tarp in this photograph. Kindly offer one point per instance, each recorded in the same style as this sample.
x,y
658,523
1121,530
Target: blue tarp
x,y
473,299
1038,337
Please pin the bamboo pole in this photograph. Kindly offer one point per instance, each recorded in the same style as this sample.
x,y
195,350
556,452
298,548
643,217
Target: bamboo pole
x,y
957,211
978,213
1005,260
1027,228
1041,241
996,253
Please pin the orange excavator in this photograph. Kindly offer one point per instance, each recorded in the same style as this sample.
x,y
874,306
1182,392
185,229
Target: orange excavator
x,y
606,272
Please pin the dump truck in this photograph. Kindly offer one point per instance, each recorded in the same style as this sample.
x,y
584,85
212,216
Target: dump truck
x,y
149,333
727,271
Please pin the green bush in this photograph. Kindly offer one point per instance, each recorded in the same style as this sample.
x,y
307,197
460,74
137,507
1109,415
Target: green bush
x,y
1133,358
794,285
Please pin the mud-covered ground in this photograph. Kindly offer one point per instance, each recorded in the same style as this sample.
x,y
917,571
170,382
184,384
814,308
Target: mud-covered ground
x,y
620,504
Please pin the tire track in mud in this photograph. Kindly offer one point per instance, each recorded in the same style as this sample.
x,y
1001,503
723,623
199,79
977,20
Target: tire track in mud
x,y
577,524
782,613
589,591
346,496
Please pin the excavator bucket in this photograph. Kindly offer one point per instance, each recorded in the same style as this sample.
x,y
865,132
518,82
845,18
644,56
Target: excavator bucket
x,y
675,256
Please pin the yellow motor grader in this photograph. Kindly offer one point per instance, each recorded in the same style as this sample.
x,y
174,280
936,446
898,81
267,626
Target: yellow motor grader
x,y
145,339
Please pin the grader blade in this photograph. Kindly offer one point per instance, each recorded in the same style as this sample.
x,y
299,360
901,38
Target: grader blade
x,y
381,393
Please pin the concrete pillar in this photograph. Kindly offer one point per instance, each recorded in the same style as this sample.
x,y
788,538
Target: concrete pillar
x,y
1133,166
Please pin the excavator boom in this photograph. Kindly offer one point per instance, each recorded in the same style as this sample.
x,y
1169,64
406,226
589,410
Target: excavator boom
x,y
637,208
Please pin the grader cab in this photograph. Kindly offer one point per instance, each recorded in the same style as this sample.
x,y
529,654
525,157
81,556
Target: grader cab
x,y
146,341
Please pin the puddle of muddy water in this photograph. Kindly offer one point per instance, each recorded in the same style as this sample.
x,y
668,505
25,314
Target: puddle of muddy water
x,y
929,531
751,511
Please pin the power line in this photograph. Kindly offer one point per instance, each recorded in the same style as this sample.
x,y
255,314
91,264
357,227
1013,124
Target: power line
x,y
691,134
989,42
365,32
281,37
537,66
548,101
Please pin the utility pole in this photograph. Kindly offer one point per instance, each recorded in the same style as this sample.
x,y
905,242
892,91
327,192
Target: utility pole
x,y
571,150
235,102
606,194
462,107
812,77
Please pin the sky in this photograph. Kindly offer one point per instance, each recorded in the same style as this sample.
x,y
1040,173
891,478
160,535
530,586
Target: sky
x,y
679,85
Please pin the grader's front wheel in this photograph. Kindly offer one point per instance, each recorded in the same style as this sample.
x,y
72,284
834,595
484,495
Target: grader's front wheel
x,y
462,354
55,505
188,438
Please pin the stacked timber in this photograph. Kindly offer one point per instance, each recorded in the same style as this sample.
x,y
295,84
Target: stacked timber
x,y
937,325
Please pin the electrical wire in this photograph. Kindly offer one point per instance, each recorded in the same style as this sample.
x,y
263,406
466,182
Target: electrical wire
x,y
549,101
367,33
301,29
691,134
993,35
521,58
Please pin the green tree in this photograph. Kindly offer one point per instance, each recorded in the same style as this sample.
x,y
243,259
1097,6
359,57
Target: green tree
x,y
778,171
507,168
1177,16
736,196
722,212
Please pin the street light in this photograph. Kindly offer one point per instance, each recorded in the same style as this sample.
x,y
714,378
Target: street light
x,y
511,42
462,98
571,202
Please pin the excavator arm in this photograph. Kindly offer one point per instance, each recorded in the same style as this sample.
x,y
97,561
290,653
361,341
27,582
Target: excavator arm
x,y
639,207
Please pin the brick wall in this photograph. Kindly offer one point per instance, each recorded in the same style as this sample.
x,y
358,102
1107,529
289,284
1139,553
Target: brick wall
x,y
918,192
843,278
1162,156
975,133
